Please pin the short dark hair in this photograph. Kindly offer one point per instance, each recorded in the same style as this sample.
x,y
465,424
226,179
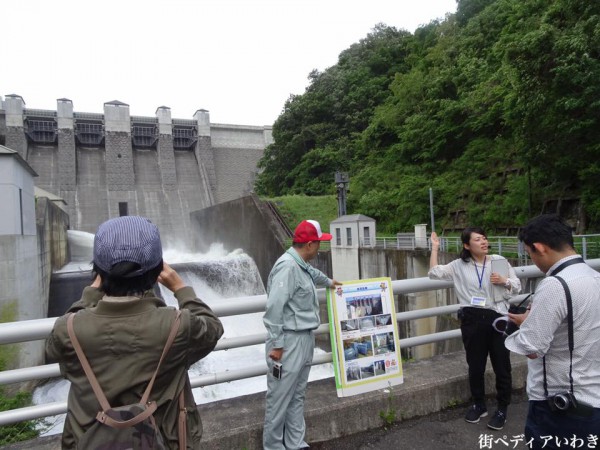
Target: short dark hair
x,y
465,237
116,283
548,229
299,244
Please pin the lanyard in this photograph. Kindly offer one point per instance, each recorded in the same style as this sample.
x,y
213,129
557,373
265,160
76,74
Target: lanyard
x,y
480,278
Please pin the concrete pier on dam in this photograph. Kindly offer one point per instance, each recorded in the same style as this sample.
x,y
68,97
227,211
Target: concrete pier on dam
x,y
108,164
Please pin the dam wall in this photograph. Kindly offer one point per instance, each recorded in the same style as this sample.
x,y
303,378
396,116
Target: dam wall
x,y
245,223
112,163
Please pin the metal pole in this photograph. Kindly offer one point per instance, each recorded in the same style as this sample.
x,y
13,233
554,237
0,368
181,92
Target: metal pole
x,y
341,181
431,209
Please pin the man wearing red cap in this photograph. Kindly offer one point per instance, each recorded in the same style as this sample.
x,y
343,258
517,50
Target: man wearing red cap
x,y
291,316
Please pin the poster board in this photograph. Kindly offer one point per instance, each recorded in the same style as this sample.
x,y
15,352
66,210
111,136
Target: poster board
x,y
364,336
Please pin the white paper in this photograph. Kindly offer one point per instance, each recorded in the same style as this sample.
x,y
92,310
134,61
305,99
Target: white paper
x,y
499,266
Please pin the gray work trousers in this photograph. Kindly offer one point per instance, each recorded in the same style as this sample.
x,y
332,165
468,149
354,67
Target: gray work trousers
x,y
284,413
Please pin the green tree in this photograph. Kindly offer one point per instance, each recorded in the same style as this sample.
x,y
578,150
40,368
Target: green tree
x,y
495,107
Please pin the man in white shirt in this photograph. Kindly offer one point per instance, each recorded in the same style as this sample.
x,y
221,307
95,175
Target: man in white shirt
x,y
563,386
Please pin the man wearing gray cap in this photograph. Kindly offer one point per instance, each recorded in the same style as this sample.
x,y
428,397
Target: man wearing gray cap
x,y
123,327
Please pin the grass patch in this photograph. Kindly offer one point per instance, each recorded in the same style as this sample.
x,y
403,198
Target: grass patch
x,y
389,414
8,352
20,431
296,208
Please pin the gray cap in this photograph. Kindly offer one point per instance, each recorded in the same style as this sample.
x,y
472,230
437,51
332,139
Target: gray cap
x,y
129,238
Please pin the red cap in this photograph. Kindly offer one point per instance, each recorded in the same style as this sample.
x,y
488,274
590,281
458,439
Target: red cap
x,y
310,230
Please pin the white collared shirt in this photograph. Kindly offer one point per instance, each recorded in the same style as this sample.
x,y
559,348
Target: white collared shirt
x,y
467,277
545,333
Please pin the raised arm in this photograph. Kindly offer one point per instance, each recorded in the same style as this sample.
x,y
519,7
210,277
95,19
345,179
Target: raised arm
x,y
205,326
435,248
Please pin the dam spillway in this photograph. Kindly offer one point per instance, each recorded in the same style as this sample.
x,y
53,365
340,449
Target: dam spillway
x,y
217,272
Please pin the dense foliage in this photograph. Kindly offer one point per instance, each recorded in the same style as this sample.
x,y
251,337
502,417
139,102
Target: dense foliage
x,y
496,108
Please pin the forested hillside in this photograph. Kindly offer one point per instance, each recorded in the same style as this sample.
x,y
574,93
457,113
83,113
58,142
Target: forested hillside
x,y
497,108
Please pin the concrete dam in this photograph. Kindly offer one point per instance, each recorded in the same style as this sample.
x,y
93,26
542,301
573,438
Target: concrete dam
x,y
102,165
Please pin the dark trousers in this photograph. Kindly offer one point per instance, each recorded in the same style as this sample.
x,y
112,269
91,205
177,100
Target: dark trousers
x,y
552,430
480,340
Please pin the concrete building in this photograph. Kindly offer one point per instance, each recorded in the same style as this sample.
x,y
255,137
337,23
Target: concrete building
x,y
19,262
350,232
111,163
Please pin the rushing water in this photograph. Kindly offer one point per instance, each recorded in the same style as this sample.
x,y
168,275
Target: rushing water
x,y
238,277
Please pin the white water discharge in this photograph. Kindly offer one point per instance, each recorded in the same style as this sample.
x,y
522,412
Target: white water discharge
x,y
240,277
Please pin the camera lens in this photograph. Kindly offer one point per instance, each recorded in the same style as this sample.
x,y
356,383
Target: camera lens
x,y
561,402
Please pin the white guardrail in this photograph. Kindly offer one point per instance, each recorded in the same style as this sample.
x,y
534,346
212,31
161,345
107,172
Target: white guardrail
x,y
587,245
31,330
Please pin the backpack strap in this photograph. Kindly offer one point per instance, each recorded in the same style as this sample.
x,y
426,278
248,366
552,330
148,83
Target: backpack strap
x,y
182,428
102,416
170,339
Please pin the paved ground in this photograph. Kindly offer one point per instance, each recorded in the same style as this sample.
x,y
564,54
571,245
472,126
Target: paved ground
x,y
444,430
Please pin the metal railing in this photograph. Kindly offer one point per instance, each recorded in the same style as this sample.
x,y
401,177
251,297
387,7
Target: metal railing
x,y
587,245
31,330
39,113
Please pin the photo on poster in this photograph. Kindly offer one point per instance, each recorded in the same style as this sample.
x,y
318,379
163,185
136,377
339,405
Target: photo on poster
x,y
367,370
379,366
384,343
350,325
383,320
367,324
358,306
352,372
350,349
356,348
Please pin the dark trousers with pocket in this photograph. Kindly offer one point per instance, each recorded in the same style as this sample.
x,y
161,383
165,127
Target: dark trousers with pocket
x,y
480,340
546,429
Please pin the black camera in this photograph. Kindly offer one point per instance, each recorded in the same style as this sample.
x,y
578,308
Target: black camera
x,y
566,402
562,402
511,327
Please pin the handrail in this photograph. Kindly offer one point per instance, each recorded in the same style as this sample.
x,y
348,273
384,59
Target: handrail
x,y
587,245
39,329
52,370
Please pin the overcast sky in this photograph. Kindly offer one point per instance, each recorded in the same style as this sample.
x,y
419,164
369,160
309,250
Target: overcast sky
x,y
239,59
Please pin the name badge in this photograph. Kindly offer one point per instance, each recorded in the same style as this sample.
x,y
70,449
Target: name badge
x,y
478,301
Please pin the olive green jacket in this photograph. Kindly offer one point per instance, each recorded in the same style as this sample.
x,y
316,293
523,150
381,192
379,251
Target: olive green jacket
x,y
123,341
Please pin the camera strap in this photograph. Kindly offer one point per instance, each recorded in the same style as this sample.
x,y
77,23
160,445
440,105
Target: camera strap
x,y
569,321
523,301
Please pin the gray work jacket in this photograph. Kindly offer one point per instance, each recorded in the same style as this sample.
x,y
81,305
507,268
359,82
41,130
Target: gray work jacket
x,y
292,302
